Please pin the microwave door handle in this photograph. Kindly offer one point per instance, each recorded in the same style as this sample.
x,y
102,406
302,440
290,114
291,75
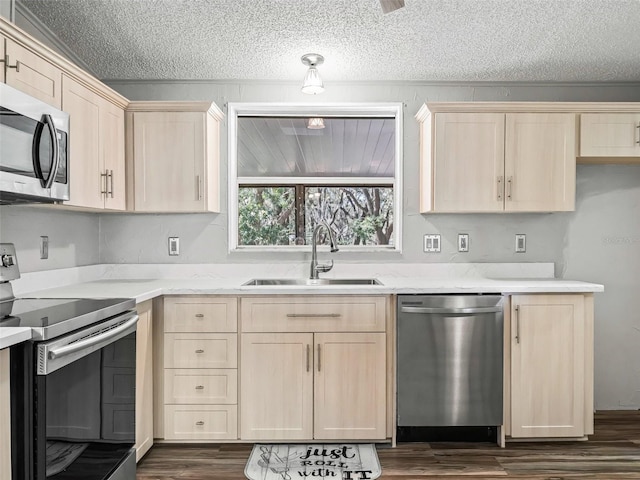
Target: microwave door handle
x,y
35,153
55,155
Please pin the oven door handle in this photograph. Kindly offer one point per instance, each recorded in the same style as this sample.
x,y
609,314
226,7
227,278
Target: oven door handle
x,y
101,339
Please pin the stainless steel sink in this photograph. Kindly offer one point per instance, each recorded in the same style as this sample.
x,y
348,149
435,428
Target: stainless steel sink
x,y
273,282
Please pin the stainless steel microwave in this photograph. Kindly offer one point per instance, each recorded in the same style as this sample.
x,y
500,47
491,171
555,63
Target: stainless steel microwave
x,y
34,158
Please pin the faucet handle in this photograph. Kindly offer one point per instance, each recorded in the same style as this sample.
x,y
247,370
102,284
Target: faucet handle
x,y
324,267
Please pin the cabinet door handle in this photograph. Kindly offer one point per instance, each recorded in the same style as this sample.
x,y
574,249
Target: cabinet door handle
x,y
500,187
6,62
509,185
199,351
199,387
308,356
199,315
517,324
198,187
319,357
110,176
200,423
638,128
104,183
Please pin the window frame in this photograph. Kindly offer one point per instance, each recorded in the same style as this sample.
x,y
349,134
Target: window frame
x,y
235,110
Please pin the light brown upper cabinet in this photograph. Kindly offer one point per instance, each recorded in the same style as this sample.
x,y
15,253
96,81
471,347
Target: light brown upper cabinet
x,y
96,151
173,156
497,162
31,74
610,135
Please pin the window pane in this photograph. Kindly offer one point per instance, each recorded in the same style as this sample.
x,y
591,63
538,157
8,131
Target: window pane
x,y
266,216
287,147
356,215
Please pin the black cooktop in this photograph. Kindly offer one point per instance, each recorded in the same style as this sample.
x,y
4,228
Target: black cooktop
x,y
50,318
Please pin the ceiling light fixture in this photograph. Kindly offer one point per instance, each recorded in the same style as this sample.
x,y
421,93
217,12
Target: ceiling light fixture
x,y
315,123
312,84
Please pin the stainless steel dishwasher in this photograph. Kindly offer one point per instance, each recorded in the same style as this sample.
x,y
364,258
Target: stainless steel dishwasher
x,y
450,356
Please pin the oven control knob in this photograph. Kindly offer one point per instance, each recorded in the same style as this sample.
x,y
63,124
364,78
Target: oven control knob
x,y
7,261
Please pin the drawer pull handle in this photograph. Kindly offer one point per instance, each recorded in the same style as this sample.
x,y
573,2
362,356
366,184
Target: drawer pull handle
x,y
313,315
199,387
199,351
199,315
200,423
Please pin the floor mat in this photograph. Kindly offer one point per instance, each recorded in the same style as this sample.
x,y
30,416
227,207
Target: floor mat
x,y
344,461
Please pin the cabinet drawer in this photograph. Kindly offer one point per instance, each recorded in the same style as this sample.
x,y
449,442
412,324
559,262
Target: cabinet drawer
x,y
313,314
198,386
198,314
200,422
202,350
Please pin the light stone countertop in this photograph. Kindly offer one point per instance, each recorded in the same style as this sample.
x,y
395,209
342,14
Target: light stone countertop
x,y
442,279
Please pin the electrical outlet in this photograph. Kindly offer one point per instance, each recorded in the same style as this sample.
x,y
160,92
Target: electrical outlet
x,y
432,243
174,246
44,247
463,242
521,243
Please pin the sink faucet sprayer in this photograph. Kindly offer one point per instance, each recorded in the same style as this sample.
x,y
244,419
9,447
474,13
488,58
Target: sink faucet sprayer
x,y
316,268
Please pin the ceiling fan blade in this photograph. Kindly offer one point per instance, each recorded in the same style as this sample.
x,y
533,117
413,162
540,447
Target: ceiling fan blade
x,y
391,5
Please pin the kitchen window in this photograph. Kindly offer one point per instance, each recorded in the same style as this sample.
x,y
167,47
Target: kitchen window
x,y
294,166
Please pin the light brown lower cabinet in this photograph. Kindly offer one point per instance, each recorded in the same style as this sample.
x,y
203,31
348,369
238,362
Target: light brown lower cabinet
x,y
144,380
302,386
197,372
551,366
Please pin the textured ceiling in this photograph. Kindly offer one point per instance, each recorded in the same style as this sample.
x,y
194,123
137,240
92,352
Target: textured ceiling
x,y
428,40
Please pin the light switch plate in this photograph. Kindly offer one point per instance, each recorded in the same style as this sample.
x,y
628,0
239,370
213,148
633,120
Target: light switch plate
x,y
44,247
174,246
521,243
431,243
463,242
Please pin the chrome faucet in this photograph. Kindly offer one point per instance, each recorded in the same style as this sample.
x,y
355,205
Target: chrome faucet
x,y
316,268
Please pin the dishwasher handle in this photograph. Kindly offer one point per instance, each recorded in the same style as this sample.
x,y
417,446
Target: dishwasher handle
x,y
449,311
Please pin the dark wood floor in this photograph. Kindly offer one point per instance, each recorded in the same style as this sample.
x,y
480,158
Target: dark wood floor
x,y
613,452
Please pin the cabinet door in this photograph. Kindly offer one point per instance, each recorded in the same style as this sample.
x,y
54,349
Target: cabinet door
x,y
33,75
169,161
547,366
350,386
276,386
86,181
144,381
468,168
540,162
112,150
610,135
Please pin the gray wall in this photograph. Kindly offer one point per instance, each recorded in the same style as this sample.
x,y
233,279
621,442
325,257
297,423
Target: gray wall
x,y
73,236
599,242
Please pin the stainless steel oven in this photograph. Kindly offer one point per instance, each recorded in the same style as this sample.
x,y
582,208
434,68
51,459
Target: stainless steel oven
x,y
34,140
72,385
